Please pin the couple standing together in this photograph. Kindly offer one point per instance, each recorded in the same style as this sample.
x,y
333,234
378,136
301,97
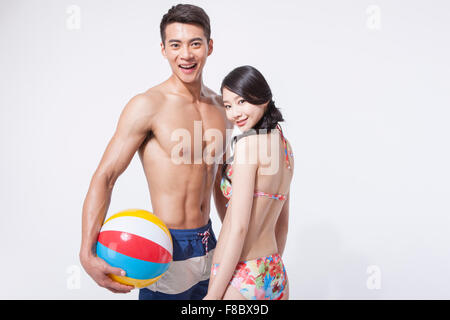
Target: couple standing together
x,y
245,262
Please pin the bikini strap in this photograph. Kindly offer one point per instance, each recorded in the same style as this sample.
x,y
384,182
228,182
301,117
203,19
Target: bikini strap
x,y
285,146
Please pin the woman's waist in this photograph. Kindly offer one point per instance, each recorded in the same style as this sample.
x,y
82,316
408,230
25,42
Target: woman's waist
x,y
264,258
250,254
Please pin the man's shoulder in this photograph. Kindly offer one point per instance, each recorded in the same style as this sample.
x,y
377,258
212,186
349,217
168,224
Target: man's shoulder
x,y
154,95
150,99
216,100
214,97
143,105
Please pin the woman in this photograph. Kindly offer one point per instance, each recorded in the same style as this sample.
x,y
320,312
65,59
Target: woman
x,y
247,261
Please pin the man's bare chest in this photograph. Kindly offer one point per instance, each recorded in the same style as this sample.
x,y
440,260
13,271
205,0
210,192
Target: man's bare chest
x,y
190,135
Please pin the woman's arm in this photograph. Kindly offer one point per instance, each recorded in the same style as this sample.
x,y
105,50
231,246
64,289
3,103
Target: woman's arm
x,y
244,173
281,228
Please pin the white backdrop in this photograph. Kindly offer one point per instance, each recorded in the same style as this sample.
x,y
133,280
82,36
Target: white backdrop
x,y
364,88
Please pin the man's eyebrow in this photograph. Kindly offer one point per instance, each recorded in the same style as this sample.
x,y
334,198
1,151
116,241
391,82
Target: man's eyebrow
x,y
179,41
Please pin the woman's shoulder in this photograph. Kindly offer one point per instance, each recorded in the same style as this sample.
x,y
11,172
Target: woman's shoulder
x,y
252,147
247,142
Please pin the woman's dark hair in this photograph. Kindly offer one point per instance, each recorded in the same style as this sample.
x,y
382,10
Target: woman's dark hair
x,y
250,84
185,13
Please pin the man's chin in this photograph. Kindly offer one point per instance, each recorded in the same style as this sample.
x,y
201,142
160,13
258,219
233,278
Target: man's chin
x,y
189,78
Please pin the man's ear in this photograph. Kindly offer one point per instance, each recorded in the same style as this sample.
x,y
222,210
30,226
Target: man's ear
x,y
163,50
210,46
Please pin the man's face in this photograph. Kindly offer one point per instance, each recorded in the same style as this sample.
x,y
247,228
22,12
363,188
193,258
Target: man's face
x,y
186,49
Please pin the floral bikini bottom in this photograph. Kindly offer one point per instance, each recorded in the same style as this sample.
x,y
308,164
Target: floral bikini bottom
x,y
259,279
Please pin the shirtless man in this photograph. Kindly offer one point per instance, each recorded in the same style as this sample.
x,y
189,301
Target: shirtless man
x,y
180,192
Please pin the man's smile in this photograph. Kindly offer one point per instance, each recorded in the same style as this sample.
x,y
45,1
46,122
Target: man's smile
x,y
188,68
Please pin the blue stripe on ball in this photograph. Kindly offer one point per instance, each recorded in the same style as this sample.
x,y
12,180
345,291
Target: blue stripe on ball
x,y
135,268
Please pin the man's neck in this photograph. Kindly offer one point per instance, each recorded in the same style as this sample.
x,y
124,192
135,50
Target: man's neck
x,y
192,90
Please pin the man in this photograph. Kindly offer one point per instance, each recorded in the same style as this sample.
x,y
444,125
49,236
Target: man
x,y
180,191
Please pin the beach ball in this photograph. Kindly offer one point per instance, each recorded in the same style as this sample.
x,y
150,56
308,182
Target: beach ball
x,y
138,242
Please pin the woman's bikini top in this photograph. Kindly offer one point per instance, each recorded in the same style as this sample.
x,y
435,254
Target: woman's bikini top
x,y
225,184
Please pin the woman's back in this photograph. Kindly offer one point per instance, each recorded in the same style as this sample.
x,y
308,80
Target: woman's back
x,y
272,182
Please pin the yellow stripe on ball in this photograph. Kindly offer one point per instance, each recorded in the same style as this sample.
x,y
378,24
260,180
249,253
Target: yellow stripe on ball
x,y
141,214
134,282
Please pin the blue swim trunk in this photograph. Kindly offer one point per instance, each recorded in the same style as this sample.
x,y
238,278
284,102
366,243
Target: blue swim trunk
x,y
188,275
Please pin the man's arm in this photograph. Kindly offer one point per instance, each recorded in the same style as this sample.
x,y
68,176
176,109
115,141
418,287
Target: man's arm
x,y
219,200
133,126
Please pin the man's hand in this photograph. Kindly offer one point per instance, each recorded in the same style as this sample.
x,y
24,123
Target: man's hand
x,y
98,269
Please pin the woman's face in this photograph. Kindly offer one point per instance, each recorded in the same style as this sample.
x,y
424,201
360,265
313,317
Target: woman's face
x,y
242,113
